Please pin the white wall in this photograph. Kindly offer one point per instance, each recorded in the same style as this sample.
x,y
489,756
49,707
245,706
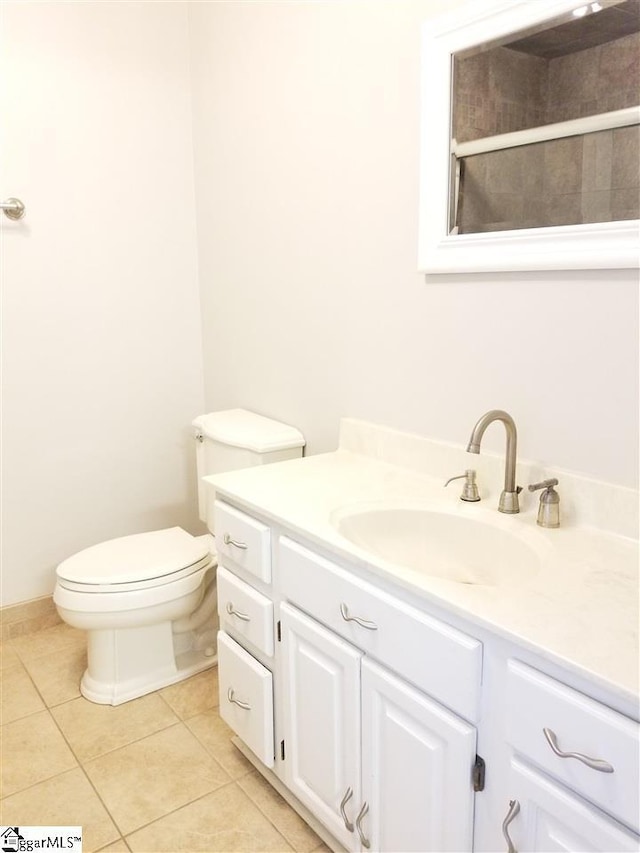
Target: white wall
x,y
306,140
102,361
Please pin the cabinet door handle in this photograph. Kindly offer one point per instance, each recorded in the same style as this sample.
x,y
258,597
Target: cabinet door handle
x,y
233,612
347,796
594,763
231,697
229,541
363,838
514,808
364,623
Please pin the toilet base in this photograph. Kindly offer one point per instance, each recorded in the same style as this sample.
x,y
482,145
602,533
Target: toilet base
x,y
127,663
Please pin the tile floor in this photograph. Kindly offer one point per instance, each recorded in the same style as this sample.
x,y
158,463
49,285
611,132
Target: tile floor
x,y
155,774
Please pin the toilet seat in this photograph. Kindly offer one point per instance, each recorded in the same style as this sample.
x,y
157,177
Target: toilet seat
x,y
137,562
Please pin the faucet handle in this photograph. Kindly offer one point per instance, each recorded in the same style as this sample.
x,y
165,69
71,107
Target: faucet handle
x,y
470,489
549,508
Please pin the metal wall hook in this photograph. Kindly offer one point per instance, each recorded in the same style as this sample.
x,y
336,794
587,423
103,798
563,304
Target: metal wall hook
x,y
12,208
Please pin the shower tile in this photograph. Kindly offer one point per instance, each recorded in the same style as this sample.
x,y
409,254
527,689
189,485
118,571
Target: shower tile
x,y
18,696
194,695
57,675
164,771
597,154
596,206
32,750
619,65
298,834
563,166
625,204
65,800
626,157
225,820
93,730
215,735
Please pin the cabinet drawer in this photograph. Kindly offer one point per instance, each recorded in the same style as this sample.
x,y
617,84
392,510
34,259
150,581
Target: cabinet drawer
x,y
243,541
412,644
246,697
579,725
245,613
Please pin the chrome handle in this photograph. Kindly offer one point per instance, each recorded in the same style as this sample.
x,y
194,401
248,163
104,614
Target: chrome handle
x,y
363,838
12,208
545,484
231,698
514,808
594,763
364,623
233,612
229,541
347,796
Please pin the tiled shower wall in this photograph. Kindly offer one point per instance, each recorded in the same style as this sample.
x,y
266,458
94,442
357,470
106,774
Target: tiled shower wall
x,y
592,178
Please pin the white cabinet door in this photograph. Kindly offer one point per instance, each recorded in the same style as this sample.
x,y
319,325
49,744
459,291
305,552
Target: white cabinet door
x,y
321,698
417,761
549,818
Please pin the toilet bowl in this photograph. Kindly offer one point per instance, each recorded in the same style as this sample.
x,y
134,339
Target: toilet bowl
x,y
148,605
148,601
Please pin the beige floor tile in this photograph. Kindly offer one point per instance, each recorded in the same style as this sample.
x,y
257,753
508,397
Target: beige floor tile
x,y
225,820
64,800
215,735
48,641
193,695
93,730
8,656
163,772
57,675
117,847
32,750
299,835
18,696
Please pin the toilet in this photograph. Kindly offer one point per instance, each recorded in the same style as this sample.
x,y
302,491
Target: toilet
x,y
148,601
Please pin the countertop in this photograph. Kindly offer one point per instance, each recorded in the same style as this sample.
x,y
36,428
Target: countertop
x,y
580,610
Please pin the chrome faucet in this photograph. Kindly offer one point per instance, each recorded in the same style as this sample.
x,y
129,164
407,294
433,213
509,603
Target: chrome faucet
x,y
509,497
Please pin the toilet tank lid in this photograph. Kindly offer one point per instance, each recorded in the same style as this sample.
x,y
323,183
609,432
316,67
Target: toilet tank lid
x,y
241,428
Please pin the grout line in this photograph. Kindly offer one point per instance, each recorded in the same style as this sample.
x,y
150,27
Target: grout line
x,y
178,808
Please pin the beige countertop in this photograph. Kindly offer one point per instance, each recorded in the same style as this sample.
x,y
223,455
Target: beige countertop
x,y
580,609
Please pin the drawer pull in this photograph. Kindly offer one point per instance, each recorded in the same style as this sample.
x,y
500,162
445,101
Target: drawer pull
x,y
514,809
233,612
594,763
363,838
229,541
347,796
237,702
364,623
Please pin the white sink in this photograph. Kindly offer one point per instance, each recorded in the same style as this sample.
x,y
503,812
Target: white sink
x,y
453,547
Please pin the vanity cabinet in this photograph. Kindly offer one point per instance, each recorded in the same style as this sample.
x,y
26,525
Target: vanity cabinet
x,y
573,768
381,762
542,816
367,707
246,636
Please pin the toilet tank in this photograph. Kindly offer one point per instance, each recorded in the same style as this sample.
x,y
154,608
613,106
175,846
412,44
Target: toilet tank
x,y
237,438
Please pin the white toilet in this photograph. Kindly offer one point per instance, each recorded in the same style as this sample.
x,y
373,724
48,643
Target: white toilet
x,y
148,601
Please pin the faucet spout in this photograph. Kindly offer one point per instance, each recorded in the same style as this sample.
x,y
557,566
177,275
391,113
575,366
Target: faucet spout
x,y
509,498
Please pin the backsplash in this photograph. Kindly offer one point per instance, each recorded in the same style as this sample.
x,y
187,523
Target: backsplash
x,y
584,501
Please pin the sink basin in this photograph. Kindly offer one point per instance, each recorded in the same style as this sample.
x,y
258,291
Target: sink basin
x,y
453,547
